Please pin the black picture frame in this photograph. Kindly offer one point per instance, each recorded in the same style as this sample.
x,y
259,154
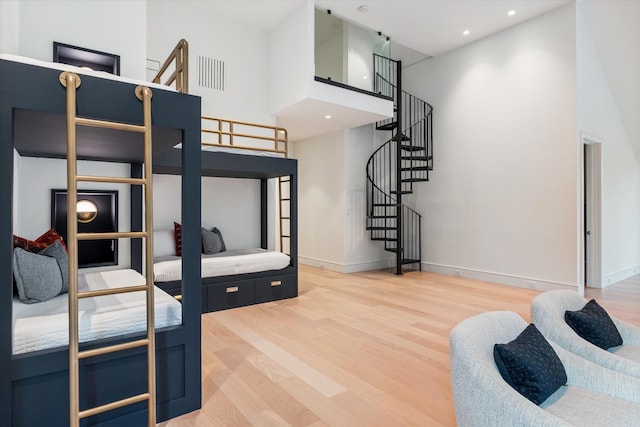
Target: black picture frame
x,y
83,57
91,253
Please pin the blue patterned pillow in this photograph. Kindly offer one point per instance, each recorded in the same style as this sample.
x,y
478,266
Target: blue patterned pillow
x,y
593,324
530,365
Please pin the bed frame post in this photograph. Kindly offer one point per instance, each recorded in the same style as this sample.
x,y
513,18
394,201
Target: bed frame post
x,y
136,218
264,213
191,252
6,251
293,222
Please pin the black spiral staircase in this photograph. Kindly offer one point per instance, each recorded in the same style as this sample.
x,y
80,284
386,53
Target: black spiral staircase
x,y
399,163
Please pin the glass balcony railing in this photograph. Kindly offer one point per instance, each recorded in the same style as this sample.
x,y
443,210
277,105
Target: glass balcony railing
x,y
344,51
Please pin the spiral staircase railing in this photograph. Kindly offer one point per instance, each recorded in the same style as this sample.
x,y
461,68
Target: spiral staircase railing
x,y
393,169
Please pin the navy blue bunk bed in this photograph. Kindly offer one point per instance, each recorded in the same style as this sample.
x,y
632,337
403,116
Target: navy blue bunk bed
x,y
34,387
231,291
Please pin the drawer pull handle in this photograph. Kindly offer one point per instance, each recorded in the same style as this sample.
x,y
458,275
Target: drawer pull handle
x,y
178,297
276,283
232,289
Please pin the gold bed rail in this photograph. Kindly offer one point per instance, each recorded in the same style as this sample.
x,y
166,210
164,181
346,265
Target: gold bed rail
x,y
71,82
180,75
240,135
237,135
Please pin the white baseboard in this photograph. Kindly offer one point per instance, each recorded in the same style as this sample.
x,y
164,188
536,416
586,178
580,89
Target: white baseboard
x,y
504,279
345,268
619,276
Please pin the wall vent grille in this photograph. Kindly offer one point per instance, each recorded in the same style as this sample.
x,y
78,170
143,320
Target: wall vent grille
x,y
211,73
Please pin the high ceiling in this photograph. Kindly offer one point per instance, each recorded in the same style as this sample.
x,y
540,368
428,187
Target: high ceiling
x,y
433,27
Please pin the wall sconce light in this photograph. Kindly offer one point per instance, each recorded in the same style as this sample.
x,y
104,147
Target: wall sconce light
x,y
87,211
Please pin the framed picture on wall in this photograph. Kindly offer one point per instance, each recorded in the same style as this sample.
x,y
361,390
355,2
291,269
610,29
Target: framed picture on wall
x,y
97,213
88,58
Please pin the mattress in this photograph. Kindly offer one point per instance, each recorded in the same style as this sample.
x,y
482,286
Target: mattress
x,y
239,261
83,71
46,325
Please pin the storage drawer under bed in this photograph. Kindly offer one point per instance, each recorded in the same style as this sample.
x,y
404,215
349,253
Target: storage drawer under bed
x,y
221,296
275,288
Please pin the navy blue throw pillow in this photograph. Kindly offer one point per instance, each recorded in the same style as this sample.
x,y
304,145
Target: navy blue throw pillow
x,y
593,324
530,365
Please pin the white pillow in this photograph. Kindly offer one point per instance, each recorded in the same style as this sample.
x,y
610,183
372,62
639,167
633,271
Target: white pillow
x,y
164,243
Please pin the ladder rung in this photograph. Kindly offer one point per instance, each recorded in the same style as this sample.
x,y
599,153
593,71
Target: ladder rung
x,y
284,180
112,348
285,200
109,125
284,236
285,217
113,179
112,291
114,405
114,235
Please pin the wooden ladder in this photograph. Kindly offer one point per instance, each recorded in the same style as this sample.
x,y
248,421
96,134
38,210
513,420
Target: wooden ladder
x,y
72,81
284,183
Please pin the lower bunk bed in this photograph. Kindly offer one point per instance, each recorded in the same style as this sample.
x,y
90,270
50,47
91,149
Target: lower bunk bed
x,y
248,275
35,384
234,278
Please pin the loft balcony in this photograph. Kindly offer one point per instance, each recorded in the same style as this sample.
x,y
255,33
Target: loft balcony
x,y
322,74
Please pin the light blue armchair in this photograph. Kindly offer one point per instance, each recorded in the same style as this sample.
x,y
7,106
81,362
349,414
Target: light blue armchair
x,y
547,313
593,396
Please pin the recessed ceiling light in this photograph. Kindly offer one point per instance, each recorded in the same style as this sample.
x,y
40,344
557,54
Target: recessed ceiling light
x,y
328,116
466,32
511,12
365,77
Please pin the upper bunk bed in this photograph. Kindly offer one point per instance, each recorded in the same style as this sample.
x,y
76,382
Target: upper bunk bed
x,y
33,123
235,149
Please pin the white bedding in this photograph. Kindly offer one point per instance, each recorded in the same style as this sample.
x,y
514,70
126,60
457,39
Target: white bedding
x,y
224,265
79,70
46,324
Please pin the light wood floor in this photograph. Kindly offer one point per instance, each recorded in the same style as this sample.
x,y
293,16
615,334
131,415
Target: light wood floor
x,y
364,349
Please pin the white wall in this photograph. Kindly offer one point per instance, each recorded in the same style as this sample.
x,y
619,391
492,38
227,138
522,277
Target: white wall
x,y
9,21
360,252
332,210
321,200
16,193
291,53
599,116
115,26
34,202
244,50
502,200
232,205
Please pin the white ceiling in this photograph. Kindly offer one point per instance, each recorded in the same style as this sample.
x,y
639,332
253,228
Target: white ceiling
x,y
433,27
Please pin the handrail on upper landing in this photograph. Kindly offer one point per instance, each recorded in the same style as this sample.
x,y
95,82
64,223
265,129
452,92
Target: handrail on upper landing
x,y
180,74
230,133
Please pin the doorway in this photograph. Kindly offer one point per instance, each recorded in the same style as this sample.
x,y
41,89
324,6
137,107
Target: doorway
x,y
591,203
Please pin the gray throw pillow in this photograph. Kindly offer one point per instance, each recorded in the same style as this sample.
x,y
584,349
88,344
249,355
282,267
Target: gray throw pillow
x,y
58,251
216,231
211,242
38,277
